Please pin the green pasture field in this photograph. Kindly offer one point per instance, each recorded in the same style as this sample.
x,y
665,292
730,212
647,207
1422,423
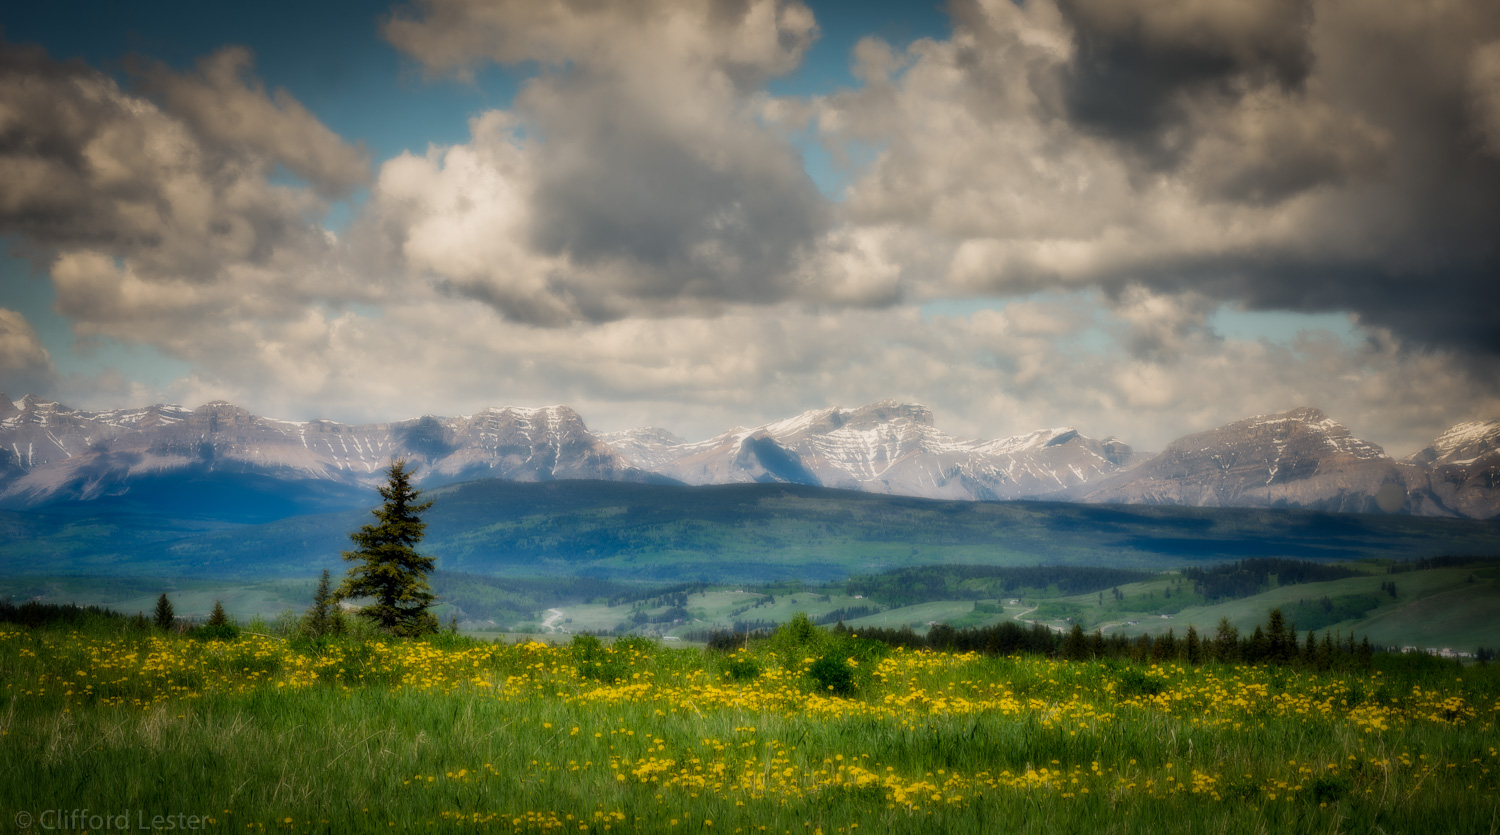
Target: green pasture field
x,y
456,735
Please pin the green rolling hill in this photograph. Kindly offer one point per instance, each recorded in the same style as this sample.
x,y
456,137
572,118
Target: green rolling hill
x,y
731,533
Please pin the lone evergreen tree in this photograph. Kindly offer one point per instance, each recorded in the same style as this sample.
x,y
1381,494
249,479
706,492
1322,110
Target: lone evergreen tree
x,y
218,617
389,569
164,616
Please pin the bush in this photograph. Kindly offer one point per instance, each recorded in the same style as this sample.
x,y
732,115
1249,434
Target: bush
x,y
215,632
1133,682
796,639
741,666
833,675
638,644
725,641
596,661
841,662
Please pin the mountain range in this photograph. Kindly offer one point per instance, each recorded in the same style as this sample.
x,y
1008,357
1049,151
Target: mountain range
x,y
164,458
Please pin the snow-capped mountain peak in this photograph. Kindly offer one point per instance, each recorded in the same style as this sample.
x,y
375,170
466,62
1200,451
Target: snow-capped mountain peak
x,y
1031,440
1462,445
887,447
1299,458
50,452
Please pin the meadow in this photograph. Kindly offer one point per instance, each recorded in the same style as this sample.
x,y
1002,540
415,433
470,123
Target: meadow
x,y
805,731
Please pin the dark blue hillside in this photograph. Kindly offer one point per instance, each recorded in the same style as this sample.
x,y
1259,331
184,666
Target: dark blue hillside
x,y
730,533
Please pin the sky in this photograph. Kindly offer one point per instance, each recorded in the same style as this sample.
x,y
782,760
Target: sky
x,y
1135,217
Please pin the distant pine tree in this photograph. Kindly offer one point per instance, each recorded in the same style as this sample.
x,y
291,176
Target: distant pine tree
x,y
164,616
1226,641
389,569
218,617
1075,647
1278,643
322,616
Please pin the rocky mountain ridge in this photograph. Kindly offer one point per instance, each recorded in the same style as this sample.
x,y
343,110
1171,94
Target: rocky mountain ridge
x,y
49,452
885,447
1301,458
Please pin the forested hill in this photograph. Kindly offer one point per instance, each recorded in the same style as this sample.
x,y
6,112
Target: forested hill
x,y
731,533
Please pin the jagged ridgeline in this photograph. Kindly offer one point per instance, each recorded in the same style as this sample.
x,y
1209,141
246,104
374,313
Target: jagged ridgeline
x,y
220,461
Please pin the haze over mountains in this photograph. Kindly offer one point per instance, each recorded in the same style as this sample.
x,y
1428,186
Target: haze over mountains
x,y
52,456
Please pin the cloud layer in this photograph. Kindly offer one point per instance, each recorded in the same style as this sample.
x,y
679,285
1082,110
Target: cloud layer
x,y
1283,156
631,175
636,233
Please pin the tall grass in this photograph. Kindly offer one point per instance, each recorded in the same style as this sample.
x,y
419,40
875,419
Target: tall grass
x,y
353,735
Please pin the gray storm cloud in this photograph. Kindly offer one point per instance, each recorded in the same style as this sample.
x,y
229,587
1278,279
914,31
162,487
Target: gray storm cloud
x,y
647,180
636,235
227,106
1305,157
25,364
180,189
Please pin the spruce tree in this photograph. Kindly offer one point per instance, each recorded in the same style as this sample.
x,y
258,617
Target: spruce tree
x,y
321,616
164,616
388,568
218,617
1276,638
1226,642
1075,646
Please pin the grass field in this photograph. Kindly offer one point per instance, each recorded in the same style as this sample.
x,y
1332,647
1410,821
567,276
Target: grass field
x,y
1433,608
260,735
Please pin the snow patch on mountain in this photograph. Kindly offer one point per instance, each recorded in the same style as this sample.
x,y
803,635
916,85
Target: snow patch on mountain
x,y
1300,458
1462,445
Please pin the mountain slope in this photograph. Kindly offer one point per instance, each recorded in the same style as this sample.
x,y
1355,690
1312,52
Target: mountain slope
x,y
59,455
725,533
222,461
886,447
1301,458
1464,468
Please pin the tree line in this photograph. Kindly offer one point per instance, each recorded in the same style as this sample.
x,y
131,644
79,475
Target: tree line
x,y
1249,577
922,584
1275,642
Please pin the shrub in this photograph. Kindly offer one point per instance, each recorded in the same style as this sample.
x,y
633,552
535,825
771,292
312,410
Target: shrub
x,y
215,632
1133,682
638,644
796,639
833,675
726,641
741,666
596,661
